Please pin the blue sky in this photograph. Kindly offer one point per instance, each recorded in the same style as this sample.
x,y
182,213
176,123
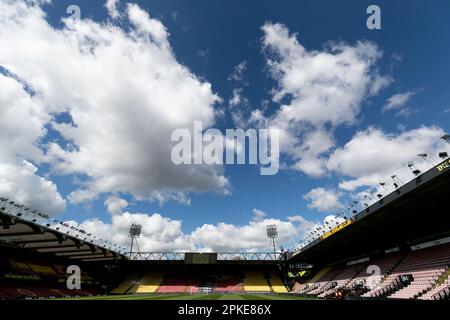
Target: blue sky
x,y
211,38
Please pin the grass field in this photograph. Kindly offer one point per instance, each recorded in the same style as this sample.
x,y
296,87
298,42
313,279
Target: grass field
x,y
212,296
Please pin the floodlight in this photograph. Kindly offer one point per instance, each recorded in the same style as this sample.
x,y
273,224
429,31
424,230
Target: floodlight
x,y
272,231
135,230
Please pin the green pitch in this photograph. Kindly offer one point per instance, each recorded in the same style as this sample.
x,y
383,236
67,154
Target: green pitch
x,y
212,296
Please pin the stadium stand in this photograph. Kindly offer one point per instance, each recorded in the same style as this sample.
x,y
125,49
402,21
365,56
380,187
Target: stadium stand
x,y
440,291
229,285
385,263
425,266
309,284
28,290
126,285
276,283
342,279
177,280
42,269
229,282
150,283
324,283
175,284
255,281
422,273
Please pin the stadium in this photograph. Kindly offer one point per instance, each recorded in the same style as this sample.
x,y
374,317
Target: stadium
x,y
290,152
394,247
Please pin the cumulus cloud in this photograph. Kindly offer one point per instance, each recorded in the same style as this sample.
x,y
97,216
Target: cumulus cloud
x,y
160,233
111,6
22,125
117,86
21,183
317,92
323,199
397,101
258,215
372,155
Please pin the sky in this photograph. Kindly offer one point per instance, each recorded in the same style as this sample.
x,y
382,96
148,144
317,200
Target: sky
x,y
89,103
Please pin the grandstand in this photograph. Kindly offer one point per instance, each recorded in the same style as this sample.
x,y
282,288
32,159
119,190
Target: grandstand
x,y
404,237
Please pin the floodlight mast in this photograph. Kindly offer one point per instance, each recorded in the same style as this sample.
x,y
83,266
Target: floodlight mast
x,y
272,233
134,233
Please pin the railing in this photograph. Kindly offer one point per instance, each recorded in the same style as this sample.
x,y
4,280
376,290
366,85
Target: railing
x,y
223,256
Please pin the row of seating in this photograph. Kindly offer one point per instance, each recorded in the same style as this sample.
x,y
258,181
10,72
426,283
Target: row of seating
x,y
438,292
342,279
29,267
322,284
172,282
20,291
416,274
425,266
255,281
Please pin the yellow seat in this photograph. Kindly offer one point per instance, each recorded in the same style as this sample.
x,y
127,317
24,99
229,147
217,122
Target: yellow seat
x,y
150,283
138,284
277,284
125,285
39,268
255,282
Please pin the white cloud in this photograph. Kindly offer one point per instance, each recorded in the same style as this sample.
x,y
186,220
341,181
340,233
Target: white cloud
x,y
318,91
22,125
314,144
114,205
238,72
239,108
304,224
324,86
372,155
118,88
160,233
258,215
147,25
239,104
111,6
237,98
323,199
405,112
397,101
21,183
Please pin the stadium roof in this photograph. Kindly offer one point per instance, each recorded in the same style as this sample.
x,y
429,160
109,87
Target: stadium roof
x,y
414,213
57,238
